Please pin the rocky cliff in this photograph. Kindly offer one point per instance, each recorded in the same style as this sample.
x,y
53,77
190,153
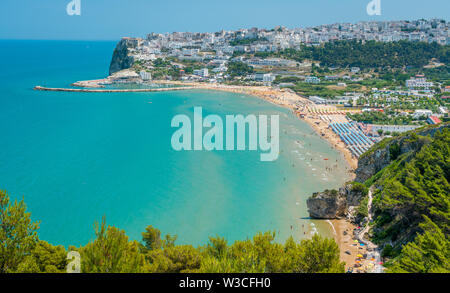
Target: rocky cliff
x,y
333,204
122,56
383,153
337,204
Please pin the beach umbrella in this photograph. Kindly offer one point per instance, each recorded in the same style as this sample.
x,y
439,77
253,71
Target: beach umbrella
x,y
359,255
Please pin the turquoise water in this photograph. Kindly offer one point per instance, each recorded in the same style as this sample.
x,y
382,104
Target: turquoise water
x,y
75,157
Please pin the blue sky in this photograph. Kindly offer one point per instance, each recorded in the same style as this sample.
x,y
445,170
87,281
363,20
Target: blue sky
x,y
112,19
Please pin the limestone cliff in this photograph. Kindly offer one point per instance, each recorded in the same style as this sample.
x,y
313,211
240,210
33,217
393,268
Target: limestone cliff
x,y
122,56
383,153
326,205
333,204
337,204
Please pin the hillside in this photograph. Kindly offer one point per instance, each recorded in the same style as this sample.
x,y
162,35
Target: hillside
x,y
411,203
413,197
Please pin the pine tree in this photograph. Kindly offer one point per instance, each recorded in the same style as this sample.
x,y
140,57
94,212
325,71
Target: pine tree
x,y
18,234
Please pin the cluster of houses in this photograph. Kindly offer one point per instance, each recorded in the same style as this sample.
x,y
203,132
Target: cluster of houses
x,y
419,82
434,30
216,49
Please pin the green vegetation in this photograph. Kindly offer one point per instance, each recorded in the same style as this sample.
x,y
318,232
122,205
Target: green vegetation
x,y
18,235
438,74
237,42
239,69
320,90
374,54
369,54
400,103
160,69
375,117
285,79
359,187
113,252
429,253
412,204
363,210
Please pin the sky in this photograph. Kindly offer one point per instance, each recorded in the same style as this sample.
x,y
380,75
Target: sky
x,y
113,19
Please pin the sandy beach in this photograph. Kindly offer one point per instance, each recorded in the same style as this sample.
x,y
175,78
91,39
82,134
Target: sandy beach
x,y
351,249
284,98
343,237
343,229
281,97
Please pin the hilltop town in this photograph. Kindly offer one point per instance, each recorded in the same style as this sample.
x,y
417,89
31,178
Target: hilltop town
x,y
355,83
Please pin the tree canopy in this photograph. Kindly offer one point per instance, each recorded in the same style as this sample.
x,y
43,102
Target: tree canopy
x,y
412,204
112,252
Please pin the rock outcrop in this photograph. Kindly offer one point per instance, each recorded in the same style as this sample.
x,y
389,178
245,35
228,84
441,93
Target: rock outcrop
x,y
326,205
122,56
333,204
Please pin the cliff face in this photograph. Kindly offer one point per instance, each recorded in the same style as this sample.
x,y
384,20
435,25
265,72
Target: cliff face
x,y
375,160
333,204
122,57
336,204
326,205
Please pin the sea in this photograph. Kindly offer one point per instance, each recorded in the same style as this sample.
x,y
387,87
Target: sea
x,y
75,158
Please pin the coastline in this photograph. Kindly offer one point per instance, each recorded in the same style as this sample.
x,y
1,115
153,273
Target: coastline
x,y
343,237
284,98
280,97
342,229
298,105
350,248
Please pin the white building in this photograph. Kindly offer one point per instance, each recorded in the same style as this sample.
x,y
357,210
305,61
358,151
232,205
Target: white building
x,y
145,75
264,77
420,113
392,128
312,79
201,72
419,82
317,100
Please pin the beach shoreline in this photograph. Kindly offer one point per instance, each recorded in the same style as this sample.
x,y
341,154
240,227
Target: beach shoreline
x,y
298,105
280,97
351,249
284,98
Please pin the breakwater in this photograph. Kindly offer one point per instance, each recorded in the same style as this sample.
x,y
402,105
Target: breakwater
x,y
40,88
